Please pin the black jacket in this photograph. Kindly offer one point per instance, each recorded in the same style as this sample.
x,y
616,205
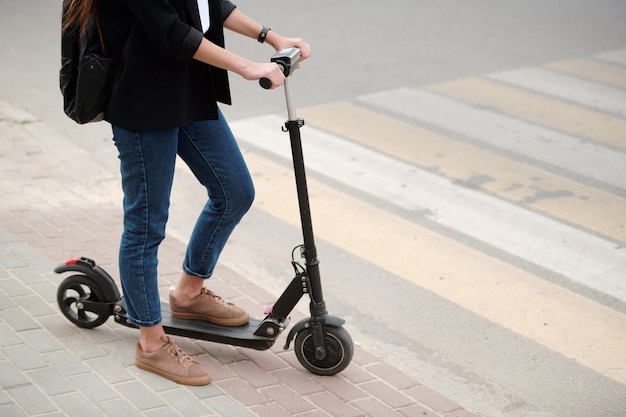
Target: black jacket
x,y
158,83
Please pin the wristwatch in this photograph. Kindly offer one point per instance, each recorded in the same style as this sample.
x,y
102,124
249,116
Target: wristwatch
x,y
263,34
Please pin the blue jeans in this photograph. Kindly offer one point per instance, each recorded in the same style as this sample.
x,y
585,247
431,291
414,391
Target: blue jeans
x,y
147,167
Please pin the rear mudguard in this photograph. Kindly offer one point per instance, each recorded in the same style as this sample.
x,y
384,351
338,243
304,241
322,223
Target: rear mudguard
x,y
89,268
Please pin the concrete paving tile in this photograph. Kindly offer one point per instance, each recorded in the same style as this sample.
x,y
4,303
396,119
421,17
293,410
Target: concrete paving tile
x,y
156,383
271,410
4,398
118,408
19,248
94,387
8,336
13,287
288,399
224,354
5,236
256,376
18,319
51,381
140,395
43,229
257,294
206,391
391,375
242,391
298,381
218,371
229,276
334,405
11,410
189,346
418,410
41,264
110,370
10,261
226,406
314,413
41,340
47,291
29,276
58,326
77,405
289,357
6,302
103,335
54,250
10,376
264,359
460,413
341,387
121,351
163,412
387,394
185,403
432,399
35,306
81,346
24,357
363,358
31,400
66,363
375,407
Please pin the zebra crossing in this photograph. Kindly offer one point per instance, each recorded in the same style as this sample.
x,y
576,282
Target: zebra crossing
x,y
503,194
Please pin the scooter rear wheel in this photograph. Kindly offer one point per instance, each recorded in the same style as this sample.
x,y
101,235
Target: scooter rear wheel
x,y
339,351
71,295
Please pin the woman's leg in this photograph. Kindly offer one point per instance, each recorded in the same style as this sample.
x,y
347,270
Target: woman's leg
x,y
147,167
147,161
212,154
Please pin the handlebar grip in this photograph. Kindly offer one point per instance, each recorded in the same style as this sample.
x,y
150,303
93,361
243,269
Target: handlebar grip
x,y
265,83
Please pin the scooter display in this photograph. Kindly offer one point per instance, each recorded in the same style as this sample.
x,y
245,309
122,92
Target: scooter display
x,y
322,345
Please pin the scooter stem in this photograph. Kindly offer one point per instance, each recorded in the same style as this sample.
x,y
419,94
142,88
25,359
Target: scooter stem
x,y
293,126
291,108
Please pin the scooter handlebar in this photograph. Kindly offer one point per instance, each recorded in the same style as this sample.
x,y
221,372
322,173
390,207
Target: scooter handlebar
x,y
287,60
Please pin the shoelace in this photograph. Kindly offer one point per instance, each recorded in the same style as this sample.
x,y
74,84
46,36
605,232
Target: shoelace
x,y
179,354
217,298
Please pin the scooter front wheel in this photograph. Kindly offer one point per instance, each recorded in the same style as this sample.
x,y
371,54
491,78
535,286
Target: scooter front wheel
x,y
72,295
339,351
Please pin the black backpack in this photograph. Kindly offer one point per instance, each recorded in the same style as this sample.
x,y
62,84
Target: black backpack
x,y
87,71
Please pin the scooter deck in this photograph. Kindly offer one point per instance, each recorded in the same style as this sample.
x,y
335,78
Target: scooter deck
x,y
199,329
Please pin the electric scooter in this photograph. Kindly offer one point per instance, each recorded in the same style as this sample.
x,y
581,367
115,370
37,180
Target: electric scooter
x,y
322,345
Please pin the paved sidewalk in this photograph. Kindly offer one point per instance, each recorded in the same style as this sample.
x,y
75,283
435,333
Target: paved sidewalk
x,y
57,202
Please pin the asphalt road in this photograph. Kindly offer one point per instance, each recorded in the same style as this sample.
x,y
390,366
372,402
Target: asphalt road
x,y
389,221
359,47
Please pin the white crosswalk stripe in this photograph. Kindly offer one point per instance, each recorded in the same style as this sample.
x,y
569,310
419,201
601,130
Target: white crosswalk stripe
x,y
586,93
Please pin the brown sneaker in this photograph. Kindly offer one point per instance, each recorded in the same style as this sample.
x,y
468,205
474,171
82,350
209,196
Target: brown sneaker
x,y
172,363
210,307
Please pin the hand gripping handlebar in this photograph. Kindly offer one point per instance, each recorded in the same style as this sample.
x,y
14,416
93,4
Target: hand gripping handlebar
x,y
287,60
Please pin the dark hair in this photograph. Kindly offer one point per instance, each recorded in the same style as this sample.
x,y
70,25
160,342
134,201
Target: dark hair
x,y
77,13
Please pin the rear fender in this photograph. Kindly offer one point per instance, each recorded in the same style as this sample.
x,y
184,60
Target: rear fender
x,y
89,268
